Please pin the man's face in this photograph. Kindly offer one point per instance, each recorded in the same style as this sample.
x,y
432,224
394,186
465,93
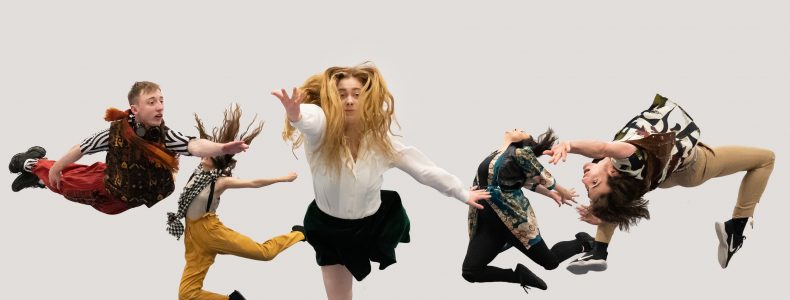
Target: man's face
x,y
149,108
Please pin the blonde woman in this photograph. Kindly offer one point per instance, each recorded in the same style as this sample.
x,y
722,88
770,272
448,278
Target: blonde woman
x,y
344,117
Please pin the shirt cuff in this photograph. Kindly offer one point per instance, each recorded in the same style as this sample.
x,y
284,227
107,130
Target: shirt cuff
x,y
297,123
463,195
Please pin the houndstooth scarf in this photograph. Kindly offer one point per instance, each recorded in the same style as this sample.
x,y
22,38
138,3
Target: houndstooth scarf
x,y
201,180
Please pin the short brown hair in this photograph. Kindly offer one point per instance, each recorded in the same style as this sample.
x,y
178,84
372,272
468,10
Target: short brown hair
x,y
140,87
624,205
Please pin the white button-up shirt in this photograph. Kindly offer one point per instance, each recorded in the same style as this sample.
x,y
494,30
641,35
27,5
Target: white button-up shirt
x,y
355,192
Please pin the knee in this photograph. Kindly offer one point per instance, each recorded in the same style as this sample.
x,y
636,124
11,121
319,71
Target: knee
x,y
267,254
550,265
470,275
771,157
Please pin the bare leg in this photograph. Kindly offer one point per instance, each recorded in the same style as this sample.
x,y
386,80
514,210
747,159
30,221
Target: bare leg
x,y
337,282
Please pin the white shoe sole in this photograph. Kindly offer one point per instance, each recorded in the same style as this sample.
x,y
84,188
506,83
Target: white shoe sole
x,y
721,233
582,267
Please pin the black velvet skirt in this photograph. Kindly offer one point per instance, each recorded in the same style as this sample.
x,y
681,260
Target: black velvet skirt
x,y
355,243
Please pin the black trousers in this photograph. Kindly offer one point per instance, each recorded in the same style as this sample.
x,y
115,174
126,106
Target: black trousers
x,y
490,239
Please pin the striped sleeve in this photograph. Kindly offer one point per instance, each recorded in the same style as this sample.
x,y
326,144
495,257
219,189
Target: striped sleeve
x,y
96,143
177,142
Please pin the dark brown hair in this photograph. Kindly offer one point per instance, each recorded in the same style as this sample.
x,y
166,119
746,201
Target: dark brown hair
x,y
624,205
545,141
228,132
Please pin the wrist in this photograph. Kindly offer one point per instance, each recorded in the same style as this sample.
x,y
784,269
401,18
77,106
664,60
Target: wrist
x,y
294,117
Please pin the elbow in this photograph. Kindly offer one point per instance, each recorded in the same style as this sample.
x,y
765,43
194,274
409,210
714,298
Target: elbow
x,y
427,175
438,179
194,148
550,265
76,151
204,148
603,150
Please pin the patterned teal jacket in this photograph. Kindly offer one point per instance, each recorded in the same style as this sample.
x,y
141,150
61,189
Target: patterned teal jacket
x,y
508,172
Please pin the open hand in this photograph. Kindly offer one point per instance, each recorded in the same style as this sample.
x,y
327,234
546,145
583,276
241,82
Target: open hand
x,y
586,215
290,103
290,177
476,196
558,152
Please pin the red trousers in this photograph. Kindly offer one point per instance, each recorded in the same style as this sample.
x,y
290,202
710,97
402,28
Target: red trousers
x,y
83,184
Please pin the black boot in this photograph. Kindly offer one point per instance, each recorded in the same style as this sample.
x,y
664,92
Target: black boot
x,y
527,278
17,163
236,296
300,228
26,180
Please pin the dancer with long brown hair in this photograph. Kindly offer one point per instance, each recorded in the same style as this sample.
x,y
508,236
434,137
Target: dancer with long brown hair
x,y
205,236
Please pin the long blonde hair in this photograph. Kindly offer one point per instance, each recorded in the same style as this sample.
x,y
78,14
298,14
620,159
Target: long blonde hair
x,y
378,111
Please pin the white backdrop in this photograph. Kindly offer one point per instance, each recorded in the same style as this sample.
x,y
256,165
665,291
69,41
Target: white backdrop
x,y
461,73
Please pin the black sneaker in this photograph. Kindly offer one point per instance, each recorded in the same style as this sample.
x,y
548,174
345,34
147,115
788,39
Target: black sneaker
x,y
17,163
730,240
528,279
26,180
300,228
236,296
589,261
586,240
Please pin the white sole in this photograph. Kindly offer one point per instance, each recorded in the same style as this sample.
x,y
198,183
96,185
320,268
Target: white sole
x,y
721,233
582,267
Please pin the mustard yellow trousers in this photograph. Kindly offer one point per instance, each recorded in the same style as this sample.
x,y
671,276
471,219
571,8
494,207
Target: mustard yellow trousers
x,y
206,237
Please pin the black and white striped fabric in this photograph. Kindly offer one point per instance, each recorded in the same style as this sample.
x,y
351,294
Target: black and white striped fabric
x,y
197,182
174,141
29,163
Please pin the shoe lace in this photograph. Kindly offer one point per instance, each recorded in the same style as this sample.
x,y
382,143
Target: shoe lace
x,y
740,244
526,288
